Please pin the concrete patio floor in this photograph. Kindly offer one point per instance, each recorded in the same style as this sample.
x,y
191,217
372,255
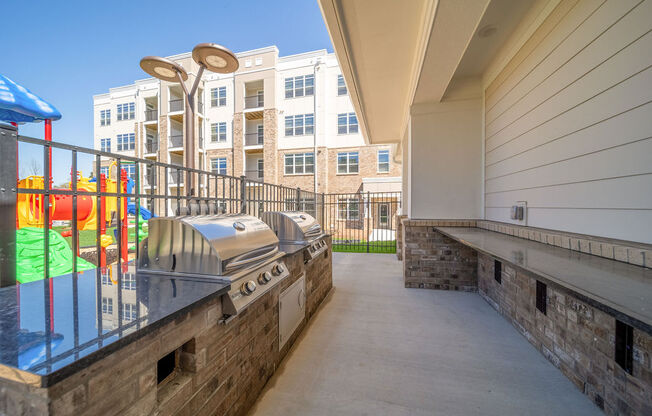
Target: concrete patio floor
x,y
376,348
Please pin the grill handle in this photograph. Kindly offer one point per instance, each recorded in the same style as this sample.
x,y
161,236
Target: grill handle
x,y
237,263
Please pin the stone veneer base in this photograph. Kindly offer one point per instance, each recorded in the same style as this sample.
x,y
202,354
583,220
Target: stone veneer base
x,y
576,337
222,367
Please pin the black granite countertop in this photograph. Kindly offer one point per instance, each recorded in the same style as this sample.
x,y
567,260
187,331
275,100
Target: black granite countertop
x,y
619,288
52,329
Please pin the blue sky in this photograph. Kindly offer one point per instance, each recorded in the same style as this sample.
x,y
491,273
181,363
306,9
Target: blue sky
x,y
67,51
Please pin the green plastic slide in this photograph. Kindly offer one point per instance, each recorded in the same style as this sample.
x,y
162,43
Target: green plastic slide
x,y
30,259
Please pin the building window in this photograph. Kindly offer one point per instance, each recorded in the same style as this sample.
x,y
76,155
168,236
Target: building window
x,y
347,123
126,141
348,209
347,162
106,279
126,111
301,86
218,97
105,145
261,168
299,163
383,161
107,305
130,168
128,281
128,312
218,132
341,86
104,170
299,125
218,165
105,117
383,215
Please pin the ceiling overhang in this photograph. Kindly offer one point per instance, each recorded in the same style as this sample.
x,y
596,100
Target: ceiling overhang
x,y
396,55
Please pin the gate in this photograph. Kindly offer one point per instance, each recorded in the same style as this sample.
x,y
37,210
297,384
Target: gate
x,y
363,222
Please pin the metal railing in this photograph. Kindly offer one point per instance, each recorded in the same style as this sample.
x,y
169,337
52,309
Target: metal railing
x,y
254,139
363,222
176,140
151,146
255,174
176,105
151,115
150,185
254,101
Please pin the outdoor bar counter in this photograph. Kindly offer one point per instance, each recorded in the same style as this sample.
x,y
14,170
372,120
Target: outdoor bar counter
x,y
121,342
589,316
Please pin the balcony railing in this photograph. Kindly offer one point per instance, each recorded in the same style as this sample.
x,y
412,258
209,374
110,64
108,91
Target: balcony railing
x,y
151,146
254,101
176,177
254,139
176,105
149,180
151,115
176,140
256,174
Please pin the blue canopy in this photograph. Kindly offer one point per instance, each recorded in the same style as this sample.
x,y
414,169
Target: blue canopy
x,y
20,105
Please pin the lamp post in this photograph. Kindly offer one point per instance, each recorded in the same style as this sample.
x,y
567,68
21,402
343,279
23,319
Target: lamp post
x,y
210,56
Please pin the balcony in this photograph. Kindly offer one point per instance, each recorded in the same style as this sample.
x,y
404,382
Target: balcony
x,y
254,139
176,105
255,175
176,177
151,146
151,115
254,101
176,141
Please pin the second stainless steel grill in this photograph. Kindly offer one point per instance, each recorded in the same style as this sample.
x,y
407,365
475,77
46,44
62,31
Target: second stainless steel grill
x,y
237,248
296,228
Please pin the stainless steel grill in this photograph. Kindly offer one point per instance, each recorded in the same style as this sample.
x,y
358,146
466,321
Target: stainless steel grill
x,y
296,228
237,248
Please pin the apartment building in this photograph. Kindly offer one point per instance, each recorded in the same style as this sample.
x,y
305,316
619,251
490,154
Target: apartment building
x,y
264,121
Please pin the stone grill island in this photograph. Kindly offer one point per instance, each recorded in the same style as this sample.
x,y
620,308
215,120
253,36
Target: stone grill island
x,y
118,341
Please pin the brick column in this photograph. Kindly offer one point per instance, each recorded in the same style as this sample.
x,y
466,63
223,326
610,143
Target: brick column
x,y
433,261
270,145
238,143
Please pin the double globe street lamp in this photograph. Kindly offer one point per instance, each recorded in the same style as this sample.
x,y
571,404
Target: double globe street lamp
x,y
210,56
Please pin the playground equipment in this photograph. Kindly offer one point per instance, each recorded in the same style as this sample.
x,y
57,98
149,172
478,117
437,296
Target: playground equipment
x,y
30,260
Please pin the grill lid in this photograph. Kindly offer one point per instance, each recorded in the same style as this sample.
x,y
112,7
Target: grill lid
x,y
206,244
292,226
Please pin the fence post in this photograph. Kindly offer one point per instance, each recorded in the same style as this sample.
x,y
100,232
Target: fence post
x,y
323,210
298,199
243,196
368,219
8,196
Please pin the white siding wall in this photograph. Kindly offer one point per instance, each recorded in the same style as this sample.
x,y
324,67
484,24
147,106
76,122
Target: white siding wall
x,y
568,124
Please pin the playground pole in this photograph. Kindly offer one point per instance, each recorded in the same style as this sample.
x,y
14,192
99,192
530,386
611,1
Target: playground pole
x,y
48,138
102,224
124,234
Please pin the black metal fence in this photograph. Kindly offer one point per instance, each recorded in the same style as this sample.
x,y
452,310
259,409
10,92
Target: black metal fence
x,y
122,191
363,222
132,185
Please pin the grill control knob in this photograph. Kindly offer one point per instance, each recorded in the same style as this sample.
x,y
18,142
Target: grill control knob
x,y
264,278
248,288
278,269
